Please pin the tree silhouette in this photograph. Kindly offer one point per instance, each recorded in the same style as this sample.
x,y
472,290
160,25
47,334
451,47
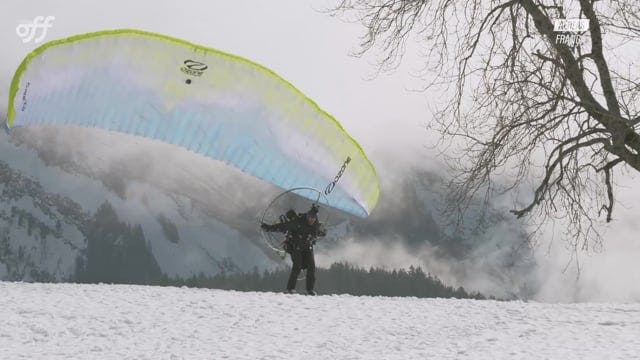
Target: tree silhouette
x,y
559,108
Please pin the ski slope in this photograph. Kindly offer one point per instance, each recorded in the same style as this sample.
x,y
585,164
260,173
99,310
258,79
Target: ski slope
x,y
70,321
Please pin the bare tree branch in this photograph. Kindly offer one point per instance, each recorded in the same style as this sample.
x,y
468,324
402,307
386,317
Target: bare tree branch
x,y
524,104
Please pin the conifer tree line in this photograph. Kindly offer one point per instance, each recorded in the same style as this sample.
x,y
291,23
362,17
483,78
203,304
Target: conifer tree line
x,y
119,253
116,252
339,278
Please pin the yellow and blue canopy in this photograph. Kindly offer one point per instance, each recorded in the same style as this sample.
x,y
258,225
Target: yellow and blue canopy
x,y
213,103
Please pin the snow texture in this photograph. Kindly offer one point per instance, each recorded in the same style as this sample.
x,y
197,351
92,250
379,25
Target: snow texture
x,y
70,321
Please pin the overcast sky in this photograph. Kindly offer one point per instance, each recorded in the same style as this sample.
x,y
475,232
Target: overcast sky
x,y
311,50
292,37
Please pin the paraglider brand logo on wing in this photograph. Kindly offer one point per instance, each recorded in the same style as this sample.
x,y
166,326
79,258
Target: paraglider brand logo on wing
x,y
29,30
193,68
24,97
332,184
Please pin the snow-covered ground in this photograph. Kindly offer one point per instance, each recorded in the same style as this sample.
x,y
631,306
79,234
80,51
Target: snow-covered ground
x,y
70,321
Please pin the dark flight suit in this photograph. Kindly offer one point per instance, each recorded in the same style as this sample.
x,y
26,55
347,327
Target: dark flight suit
x,y
300,238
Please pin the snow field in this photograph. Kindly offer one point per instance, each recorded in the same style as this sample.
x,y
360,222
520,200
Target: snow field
x,y
72,321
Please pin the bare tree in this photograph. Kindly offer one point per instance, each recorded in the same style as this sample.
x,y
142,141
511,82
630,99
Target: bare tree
x,y
557,108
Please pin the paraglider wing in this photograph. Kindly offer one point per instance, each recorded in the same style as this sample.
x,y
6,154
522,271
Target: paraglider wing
x,y
210,102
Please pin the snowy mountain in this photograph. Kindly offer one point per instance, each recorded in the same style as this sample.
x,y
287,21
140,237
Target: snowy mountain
x,y
46,236
66,190
49,211
71,321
